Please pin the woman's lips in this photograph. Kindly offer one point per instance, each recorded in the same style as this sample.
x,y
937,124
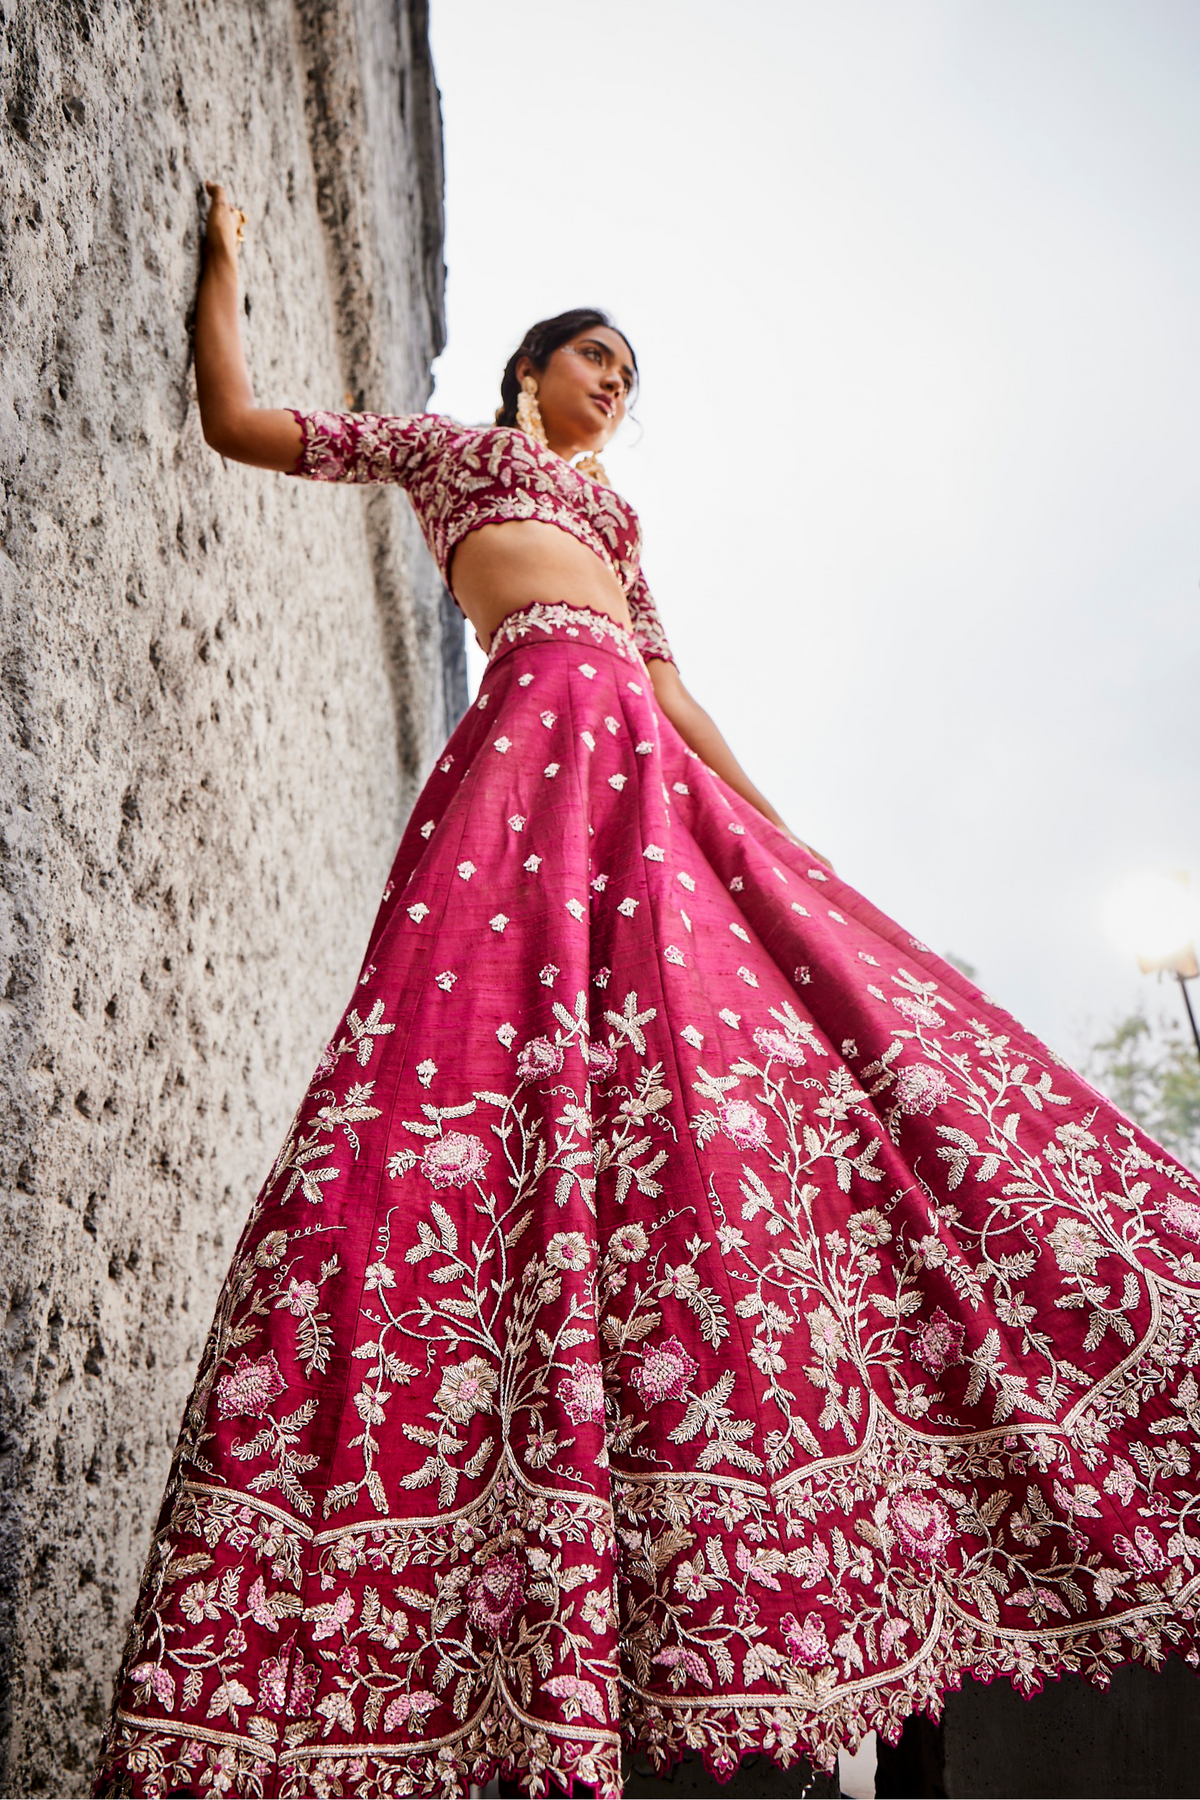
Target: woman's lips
x,y
605,404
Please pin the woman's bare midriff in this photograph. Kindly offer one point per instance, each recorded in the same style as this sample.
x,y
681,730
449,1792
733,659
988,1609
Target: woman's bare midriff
x,y
501,568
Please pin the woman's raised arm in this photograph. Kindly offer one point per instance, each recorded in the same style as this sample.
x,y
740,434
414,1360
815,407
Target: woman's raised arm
x,y
267,437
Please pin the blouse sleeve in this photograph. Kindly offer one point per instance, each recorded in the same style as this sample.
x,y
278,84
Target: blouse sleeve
x,y
648,633
366,447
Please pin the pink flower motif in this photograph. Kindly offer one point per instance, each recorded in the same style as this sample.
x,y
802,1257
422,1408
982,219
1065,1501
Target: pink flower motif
x,y
302,1296
1183,1216
779,1045
923,1525
918,1012
678,1656
581,1392
453,1160
157,1679
920,1087
807,1643
1144,1553
332,1616
579,1695
539,1059
272,1683
1150,1550
404,1706
938,1344
602,1061
1121,1480
744,1124
251,1387
304,1686
494,1595
664,1373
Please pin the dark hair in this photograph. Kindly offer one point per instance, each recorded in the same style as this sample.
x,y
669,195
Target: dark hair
x,y
539,344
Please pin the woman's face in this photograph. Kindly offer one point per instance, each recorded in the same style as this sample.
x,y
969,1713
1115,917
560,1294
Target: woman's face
x,y
583,389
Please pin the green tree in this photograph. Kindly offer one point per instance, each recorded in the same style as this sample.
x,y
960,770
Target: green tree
x,y
1151,1070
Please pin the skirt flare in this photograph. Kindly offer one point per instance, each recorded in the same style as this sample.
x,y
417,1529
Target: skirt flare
x,y
686,1313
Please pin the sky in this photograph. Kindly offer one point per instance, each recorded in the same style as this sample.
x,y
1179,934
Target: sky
x,y
914,288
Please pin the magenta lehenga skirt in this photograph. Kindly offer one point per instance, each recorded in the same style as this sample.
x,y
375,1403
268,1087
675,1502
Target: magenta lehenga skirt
x,y
685,1313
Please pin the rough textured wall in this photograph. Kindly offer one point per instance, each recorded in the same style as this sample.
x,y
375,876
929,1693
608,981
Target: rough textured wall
x,y
219,688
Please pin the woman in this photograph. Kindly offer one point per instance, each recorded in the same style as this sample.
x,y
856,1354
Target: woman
x,y
685,1309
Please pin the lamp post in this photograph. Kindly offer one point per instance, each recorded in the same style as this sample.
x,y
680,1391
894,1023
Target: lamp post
x,y
1152,915
1182,964
1187,1001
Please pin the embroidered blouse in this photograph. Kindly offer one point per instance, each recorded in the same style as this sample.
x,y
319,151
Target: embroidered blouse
x,y
459,477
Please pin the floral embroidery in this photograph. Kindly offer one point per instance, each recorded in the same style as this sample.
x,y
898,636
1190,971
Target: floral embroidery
x,y
466,1390
920,1088
454,1160
806,1643
664,1373
495,1593
939,1344
721,1355
540,1059
251,1388
1182,1216
582,1393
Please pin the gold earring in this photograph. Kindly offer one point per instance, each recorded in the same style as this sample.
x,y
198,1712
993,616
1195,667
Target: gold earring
x,y
529,417
529,420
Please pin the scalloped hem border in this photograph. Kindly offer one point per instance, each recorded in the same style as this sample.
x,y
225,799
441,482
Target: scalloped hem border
x,y
785,1729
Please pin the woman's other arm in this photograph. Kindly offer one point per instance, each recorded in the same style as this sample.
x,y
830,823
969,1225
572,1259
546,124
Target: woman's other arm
x,y
268,438
700,734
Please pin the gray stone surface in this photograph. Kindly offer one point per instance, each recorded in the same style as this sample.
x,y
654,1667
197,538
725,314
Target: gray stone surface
x,y
218,691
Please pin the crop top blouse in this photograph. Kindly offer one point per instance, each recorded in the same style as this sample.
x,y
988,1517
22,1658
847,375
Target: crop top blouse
x,y
459,477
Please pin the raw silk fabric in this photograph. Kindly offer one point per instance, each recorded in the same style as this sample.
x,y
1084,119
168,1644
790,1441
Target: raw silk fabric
x,y
685,1312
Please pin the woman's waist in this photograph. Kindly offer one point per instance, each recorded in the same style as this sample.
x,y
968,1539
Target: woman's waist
x,y
497,530
505,569
500,567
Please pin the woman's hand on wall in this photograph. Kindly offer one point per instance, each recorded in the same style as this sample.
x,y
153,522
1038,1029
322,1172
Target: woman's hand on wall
x,y
223,231
266,437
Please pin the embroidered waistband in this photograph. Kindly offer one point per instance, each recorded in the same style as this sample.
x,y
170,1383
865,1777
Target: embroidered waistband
x,y
540,622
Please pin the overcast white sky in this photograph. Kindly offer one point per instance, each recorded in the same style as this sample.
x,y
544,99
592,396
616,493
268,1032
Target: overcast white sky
x,y
915,290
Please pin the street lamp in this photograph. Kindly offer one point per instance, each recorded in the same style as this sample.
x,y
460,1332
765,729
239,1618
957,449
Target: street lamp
x,y
1152,917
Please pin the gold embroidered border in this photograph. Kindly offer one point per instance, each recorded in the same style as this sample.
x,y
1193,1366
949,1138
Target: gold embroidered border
x,y
572,620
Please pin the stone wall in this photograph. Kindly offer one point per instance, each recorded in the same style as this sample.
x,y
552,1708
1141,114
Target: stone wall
x,y
219,689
